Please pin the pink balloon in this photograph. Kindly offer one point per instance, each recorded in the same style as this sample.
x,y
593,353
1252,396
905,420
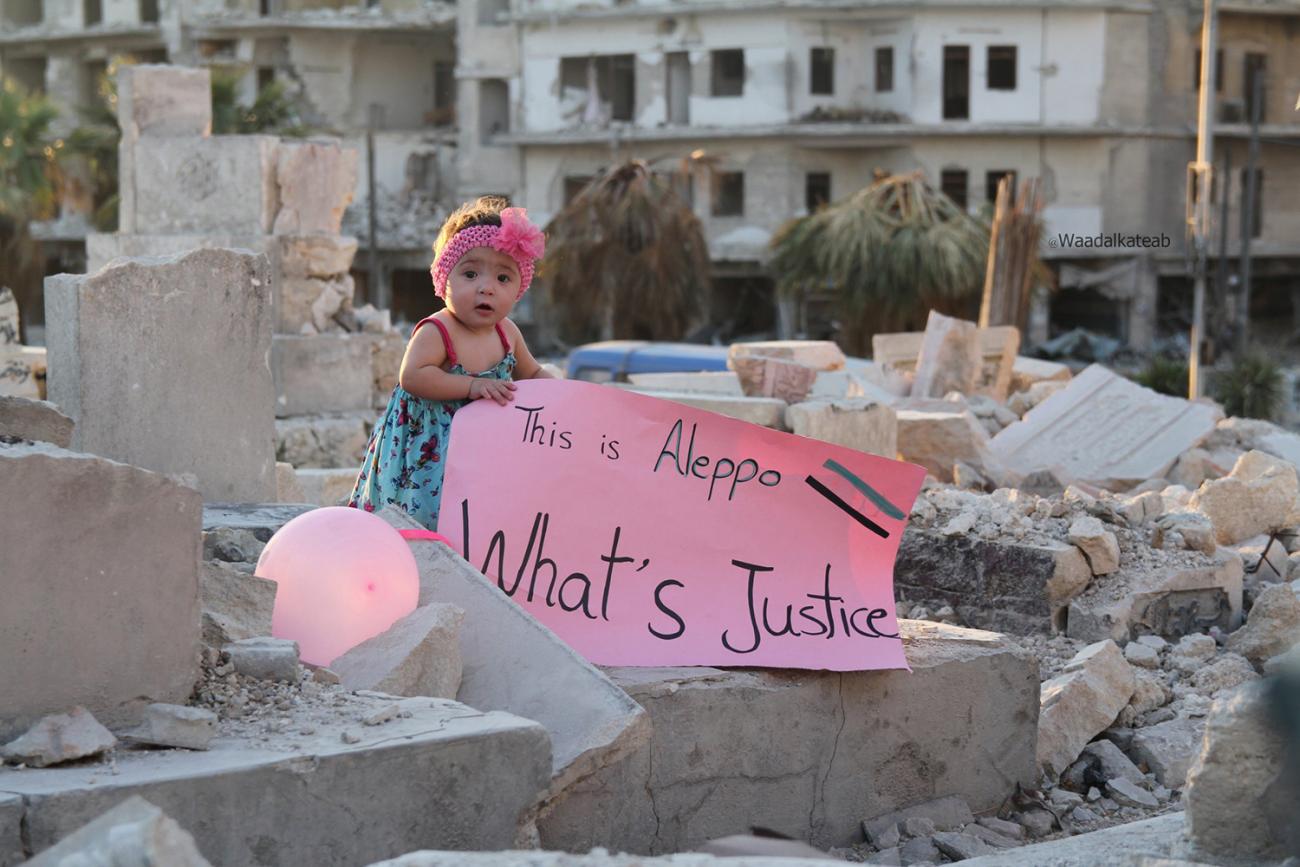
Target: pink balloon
x,y
344,575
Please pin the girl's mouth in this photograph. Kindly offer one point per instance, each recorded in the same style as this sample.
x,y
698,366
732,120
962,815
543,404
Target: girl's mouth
x,y
484,308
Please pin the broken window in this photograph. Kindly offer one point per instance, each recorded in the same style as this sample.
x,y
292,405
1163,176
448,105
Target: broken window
x,y
1002,67
679,88
493,109
444,93
822,81
816,190
884,69
728,194
1218,71
598,89
493,12
991,183
728,72
148,11
93,12
954,184
956,82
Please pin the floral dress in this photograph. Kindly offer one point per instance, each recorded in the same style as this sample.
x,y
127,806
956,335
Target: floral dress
x,y
405,459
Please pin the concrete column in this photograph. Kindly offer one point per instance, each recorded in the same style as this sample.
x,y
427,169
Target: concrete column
x,y
1141,325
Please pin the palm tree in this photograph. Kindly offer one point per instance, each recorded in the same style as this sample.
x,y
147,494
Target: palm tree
x,y
272,110
889,253
28,185
626,258
96,142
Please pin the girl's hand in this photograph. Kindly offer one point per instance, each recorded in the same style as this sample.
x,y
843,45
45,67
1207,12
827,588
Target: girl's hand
x,y
500,390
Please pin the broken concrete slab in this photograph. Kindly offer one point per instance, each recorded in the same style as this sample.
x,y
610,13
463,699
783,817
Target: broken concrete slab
x,y
143,344
765,411
898,354
1081,702
287,489
1170,601
36,420
762,376
1258,496
1098,544
820,781
125,595
417,655
134,832
950,357
163,100
856,423
944,814
1273,626
321,373
1106,431
1112,761
1169,749
818,354
316,255
319,801
939,438
1126,844
307,305
316,179
959,847
323,441
215,184
11,836
1239,802
59,738
1027,371
264,658
174,725
591,721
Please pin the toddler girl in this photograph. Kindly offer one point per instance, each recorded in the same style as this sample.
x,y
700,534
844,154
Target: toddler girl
x,y
483,262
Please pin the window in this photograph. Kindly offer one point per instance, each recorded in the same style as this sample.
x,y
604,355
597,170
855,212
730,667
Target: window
x,y
954,184
991,183
822,63
1218,71
444,93
816,190
614,76
1255,69
884,69
493,109
728,72
265,77
493,12
148,11
1257,211
1002,67
574,185
728,194
93,11
679,88
956,82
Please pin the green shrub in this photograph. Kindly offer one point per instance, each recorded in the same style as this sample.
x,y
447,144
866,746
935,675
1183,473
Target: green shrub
x,y
1250,388
1165,375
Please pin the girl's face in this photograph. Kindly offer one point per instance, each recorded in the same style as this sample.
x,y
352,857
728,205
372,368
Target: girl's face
x,y
483,287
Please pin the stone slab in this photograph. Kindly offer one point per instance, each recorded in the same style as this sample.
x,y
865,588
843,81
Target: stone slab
x,y
765,411
101,587
37,420
321,373
316,255
11,836
324,441
810,753
950,357
218,184
104,248
134,829
820,354
316,179
164,100
162,363
447,776
512,662
1106,431
260,519
856,423
21,369
327,487
937,438
1027,371
998,345
1125,845
704,382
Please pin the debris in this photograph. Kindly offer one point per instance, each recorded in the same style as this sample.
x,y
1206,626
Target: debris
x,y
857,423
1038,823
1002,827
1273,626
1112,762
1098,544
1080,702
1129,794
1169,749
381,716
959,846
417,655
1257,497
945,814
265,658
918,851
59,738
234,605
937,439
761,376
34,420
172,725
1141,655
135,832
950,357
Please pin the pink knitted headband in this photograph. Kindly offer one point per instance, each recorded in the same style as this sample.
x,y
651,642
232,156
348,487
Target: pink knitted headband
x,y
517,237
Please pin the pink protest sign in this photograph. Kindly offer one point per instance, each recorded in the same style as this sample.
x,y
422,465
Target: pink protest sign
x,y
645,532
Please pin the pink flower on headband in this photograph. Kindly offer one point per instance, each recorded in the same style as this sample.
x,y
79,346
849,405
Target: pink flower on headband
x,y
519,238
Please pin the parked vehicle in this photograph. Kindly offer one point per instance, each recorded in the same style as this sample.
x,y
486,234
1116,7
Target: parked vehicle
x,y
615,360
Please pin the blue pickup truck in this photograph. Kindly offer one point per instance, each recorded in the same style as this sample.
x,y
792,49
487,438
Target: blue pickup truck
x,y
615,360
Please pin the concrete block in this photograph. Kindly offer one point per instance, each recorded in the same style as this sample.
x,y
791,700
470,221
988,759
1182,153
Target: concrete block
x,y
235,605
417,655
316,180
327,487
21,368
899,354
307,305
818,354
705,382
943,814
1169,748
1273,626
949,359
446,776
1080,702
761,376
104,248
1147,843
1161,601
316,255
162,363
218,184
163,100
59,738
134,832
938,439
287,489
764,411
11,836
1258,496
1027,371
36,420
1098,544
173,725
321,373
323,441
858,423
1106,431
781,749
111,622
512,662
265,658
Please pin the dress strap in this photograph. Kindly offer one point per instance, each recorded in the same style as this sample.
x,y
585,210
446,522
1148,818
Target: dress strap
x,y
505,341
446,337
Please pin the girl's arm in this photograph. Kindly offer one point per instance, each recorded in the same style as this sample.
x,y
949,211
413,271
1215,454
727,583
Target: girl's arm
x,y
422,374
526,367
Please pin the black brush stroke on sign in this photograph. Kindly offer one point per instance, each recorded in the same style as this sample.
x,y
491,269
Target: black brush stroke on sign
x,y
858,516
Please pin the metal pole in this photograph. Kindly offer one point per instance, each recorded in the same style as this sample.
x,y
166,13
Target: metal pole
x,y
1248,210
374,279
1221,275
1200,218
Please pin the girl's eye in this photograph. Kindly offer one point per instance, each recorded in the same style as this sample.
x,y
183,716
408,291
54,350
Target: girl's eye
x,y
504,278
470,274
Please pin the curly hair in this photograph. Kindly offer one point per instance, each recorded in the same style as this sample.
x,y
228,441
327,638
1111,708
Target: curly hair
x,y
483,211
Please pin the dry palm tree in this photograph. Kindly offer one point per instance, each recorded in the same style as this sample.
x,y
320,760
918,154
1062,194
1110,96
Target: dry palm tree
x,y
626,258
890,252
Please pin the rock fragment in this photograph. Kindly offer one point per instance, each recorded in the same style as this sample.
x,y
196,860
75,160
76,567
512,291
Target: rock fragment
x,y
1097,543
1272,627
417,655
59,738
1080,702
265,658
173,725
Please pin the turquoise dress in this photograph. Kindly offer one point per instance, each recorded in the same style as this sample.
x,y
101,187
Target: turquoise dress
x,y
405,459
